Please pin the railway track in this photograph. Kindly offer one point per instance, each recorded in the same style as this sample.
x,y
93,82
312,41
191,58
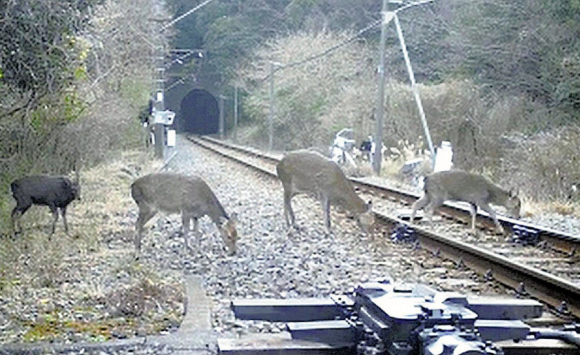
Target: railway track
x,y
534,261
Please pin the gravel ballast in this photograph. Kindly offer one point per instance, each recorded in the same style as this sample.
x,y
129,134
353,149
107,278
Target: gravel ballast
x,y
271,260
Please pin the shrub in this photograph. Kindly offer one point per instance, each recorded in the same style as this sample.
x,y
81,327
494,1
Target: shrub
x,y
545,166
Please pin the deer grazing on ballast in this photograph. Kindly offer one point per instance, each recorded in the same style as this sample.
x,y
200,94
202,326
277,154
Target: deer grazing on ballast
x,y
457,185
188,195
309,172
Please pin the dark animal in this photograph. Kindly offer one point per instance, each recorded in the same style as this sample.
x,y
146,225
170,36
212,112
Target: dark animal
x,y
188,195
457,185
55,192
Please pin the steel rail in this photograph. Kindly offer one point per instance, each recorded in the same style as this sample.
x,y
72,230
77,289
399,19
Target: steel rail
x,y
552,290
557,240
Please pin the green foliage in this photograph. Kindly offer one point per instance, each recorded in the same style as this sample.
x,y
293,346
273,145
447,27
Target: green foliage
x,y
33,42
56,105
229,40
227,30
523,47
135,91
73,106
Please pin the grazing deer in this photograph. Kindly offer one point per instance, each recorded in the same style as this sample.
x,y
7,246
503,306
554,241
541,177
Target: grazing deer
x,y
56,192
311,173
188,195
457,185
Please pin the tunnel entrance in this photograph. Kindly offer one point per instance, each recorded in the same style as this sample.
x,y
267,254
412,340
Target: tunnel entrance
x,y
199,113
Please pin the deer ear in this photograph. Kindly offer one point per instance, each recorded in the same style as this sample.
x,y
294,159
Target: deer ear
x,y
514,192
369,205
234,217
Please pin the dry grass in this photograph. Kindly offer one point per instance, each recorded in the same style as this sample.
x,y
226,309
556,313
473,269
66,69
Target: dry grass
x,y
77,287
531,208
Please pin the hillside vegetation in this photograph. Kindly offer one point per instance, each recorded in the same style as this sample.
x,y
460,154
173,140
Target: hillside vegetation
x,y
495,78
498,78
491,134
73,77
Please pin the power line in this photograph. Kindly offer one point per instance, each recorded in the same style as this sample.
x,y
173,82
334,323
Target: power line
x,y
173,22
327,51
412,4
316,56
343,43
303,61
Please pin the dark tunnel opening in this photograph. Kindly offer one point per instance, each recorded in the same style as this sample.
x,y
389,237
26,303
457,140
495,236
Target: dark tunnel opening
x,y
199,113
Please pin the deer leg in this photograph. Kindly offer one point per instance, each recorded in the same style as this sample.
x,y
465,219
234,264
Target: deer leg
x,y
54,211
435,204
17,212
473,210
145,214
419,204
487,208
196,232
63,212
14,218
185,223
326,211
288,213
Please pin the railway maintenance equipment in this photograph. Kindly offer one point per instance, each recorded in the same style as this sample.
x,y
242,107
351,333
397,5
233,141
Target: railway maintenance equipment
x,y
400,319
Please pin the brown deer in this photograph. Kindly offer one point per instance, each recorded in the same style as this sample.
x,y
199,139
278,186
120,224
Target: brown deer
x,y
309,172
189,195
457,185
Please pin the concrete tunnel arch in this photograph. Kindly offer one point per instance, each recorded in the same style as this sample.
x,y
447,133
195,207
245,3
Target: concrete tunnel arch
x,y
199,113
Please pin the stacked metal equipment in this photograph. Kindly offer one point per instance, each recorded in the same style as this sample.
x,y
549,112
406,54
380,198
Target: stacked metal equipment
x,y
396,319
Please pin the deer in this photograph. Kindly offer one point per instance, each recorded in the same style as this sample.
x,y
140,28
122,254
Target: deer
x,y
308,172
56,192
190,196
458,185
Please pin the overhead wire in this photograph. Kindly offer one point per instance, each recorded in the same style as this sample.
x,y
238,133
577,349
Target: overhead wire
x,y
327,51
343,43
174,21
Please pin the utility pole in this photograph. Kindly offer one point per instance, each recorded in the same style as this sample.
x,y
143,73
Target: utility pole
x,y
221,123
272,108
160,80
415,90
235,135
159,128
378,140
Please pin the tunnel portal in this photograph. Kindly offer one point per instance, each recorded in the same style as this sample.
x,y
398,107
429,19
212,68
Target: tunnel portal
x,y
199,113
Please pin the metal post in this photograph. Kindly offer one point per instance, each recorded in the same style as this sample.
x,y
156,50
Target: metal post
x,y
235,133
221,123
378,157
160,106
415,90
272,108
